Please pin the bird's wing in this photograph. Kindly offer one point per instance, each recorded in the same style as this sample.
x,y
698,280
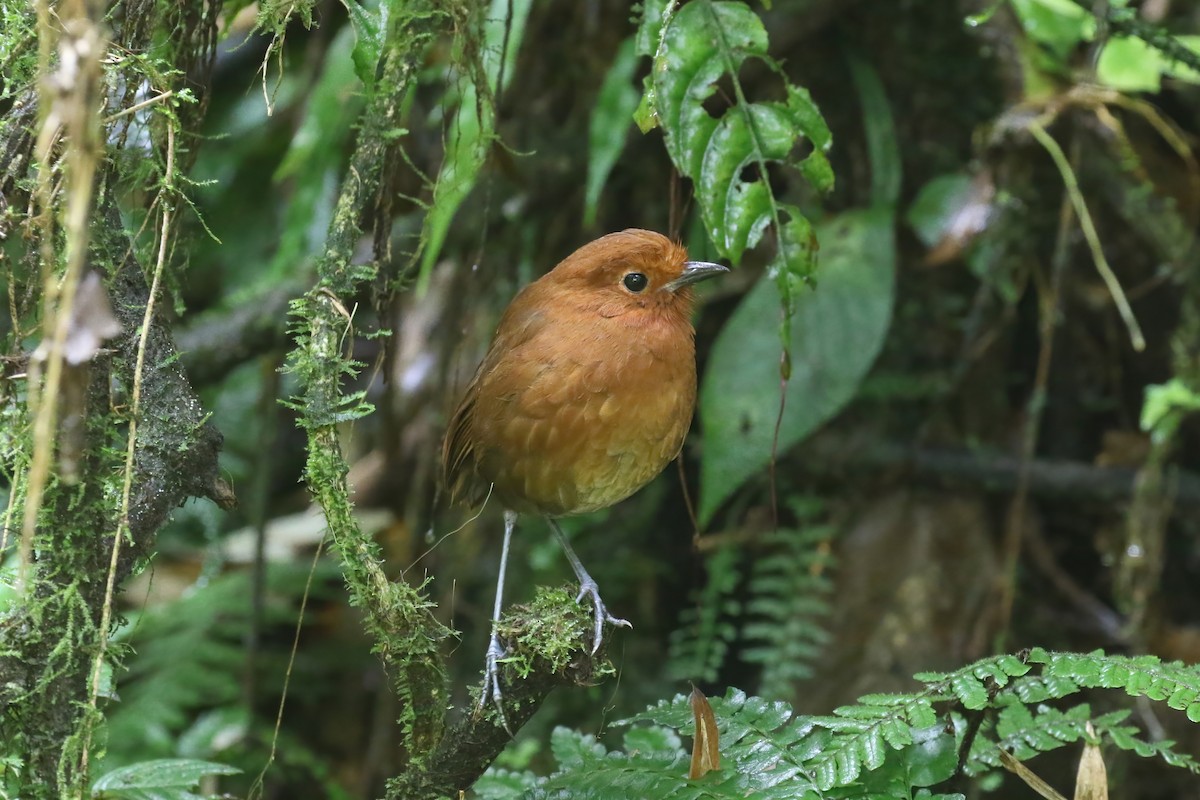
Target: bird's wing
x,y
520,323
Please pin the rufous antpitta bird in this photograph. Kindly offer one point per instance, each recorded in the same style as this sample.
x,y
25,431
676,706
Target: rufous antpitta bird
x,y
585,394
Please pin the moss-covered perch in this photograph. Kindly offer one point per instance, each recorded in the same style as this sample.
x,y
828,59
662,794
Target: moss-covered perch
x,y
47,645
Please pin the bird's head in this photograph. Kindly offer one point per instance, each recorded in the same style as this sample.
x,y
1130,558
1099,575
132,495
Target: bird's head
x,y
632,271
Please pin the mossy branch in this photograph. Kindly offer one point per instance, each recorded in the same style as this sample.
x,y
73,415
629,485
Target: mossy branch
x,y
407,637
546,647
46,645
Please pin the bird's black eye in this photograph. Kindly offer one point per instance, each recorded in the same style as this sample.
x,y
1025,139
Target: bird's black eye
x,y
635,281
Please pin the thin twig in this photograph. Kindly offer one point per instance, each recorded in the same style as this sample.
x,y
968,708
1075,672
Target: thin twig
x,y
131,447
68,98
1089,233
139,106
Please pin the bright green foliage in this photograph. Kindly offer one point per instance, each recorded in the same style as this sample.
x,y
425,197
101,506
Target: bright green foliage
x,y
702,42
370,27
164,779
884,746
1140,676
1059,25
1127,63
161,693
314,158
835,335
1166,406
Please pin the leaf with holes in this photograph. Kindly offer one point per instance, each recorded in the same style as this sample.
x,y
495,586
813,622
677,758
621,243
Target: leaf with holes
x,y
727,157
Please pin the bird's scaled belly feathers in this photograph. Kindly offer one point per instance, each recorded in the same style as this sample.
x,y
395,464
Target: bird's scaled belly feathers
x,y
582,436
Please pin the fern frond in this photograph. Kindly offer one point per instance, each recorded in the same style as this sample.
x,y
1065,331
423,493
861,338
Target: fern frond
x,y
699,645
787,599
1140,676
883,746
763,746
189,657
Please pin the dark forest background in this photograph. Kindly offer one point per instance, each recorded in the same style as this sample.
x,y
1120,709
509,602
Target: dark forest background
x,y
970,454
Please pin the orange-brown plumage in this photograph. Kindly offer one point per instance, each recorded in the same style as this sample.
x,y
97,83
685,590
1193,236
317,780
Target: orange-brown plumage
x,y
588,388
585,394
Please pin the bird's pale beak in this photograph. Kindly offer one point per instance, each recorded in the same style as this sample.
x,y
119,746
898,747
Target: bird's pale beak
x,y
693,272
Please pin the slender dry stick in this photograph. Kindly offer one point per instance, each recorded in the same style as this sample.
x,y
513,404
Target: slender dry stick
x,y
1089,233
10,508
69,96
136,107
164,237
256,789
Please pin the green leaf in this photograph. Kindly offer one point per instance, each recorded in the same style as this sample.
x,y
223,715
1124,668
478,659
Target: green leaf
x,y
370,26
936,204
727,157
930,757
970,691
1129,64
503,784
883,149
836,333
611,120
161,779
471,131
1060,25
573,749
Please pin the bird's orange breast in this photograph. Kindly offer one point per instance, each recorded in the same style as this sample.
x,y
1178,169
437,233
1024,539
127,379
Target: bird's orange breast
x,y
584,413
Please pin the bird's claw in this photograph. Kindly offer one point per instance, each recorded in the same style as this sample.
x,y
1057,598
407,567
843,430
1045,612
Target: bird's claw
x,y
491,681
589,588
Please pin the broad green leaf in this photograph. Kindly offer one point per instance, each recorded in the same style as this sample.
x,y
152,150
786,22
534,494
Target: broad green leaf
x,y
929,757
883,148
933,209
370,28
1060,25
611,120
161,779
1129,64
650,26
836,333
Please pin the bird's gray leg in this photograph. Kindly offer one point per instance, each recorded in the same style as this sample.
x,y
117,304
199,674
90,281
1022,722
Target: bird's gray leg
x,y
491,673
587,588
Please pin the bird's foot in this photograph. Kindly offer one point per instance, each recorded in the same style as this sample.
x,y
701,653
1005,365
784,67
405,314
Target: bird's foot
x,y
588,588
491,680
